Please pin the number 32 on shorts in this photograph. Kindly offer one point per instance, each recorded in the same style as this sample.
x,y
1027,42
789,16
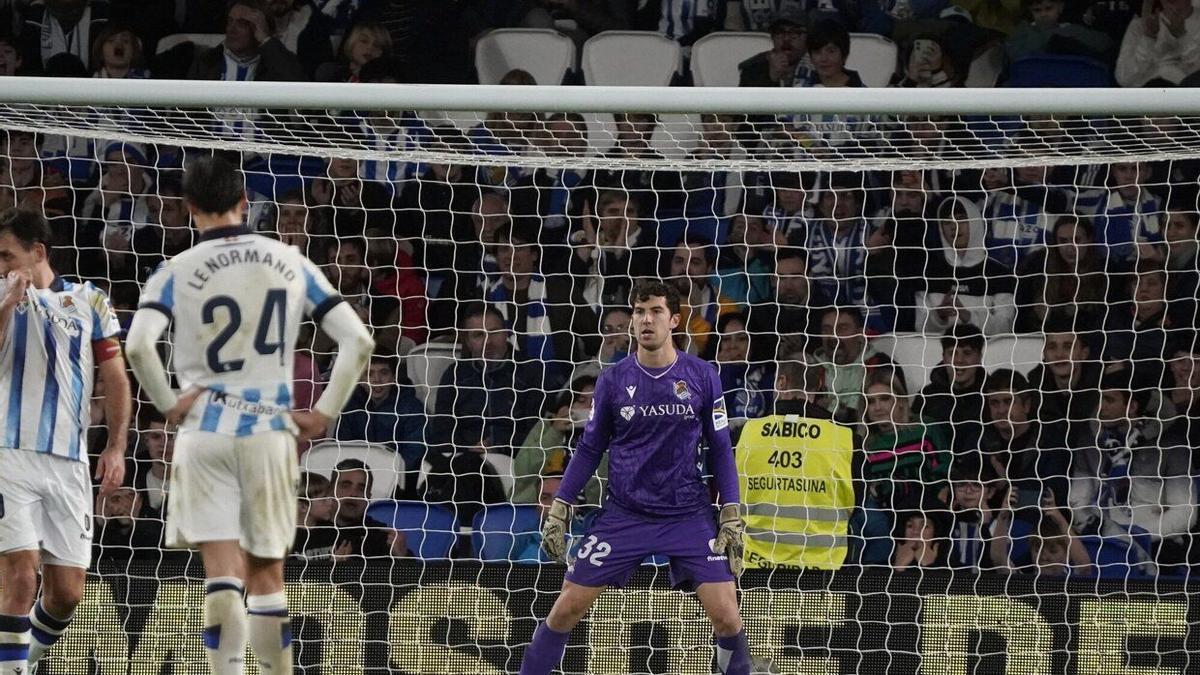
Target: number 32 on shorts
x,y
594,551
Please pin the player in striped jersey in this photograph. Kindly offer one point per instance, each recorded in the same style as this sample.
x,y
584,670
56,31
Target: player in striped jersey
x,y
237,300
54,335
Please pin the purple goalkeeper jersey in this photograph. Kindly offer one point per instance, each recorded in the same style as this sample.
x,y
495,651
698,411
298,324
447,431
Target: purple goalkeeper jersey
x,y
656,424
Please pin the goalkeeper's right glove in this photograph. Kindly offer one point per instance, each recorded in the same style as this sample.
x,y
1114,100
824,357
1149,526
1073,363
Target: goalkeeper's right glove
x,y
555,530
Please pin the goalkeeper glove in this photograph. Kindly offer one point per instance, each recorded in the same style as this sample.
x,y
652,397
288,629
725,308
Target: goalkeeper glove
x,y
729,542
555,530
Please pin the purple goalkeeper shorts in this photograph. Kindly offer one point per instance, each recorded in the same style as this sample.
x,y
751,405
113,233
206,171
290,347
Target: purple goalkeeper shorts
x,y
617,543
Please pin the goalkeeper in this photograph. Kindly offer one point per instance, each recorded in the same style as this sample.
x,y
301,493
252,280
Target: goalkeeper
x,y
654,414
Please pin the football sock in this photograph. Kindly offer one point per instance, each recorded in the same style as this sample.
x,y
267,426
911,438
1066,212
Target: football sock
x,y
545,651
225,625
271,632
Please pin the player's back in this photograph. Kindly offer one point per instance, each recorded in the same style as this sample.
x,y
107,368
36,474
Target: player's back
x,y
237,300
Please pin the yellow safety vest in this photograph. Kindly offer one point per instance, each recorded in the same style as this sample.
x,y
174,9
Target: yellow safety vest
x,y
797,491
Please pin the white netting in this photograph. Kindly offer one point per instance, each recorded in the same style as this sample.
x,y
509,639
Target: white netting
x,y
1001,308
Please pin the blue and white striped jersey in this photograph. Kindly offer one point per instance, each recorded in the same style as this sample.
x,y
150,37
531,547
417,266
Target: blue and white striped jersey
x,y
48,368
237,300
678,17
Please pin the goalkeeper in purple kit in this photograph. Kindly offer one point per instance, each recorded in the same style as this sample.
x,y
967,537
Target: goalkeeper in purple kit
x,y
655,414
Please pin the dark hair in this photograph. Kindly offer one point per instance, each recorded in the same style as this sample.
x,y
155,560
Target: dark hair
x,y
353,465
151,415
706,246
828,32
313,484
479,309
800,375
253,4
388,359
724,320
383,68
849,310
27,227
653,288
1006,379
964,335
212,184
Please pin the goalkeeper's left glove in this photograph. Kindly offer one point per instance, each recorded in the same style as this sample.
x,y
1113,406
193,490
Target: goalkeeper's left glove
x,y
729,541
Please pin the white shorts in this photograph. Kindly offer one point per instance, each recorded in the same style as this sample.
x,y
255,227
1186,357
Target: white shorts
x,y
234,488
46,504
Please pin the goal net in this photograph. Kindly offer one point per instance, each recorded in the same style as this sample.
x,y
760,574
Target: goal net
x,y
956,337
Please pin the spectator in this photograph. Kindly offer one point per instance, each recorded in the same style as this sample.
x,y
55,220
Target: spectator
x,y
357,534
902,464
980,533
57,27
929,63
348,272
1141,329
549,445
787,211
167,232
314,520
1127,214
557,194
1162,46
1125,485
685,21
1015,225
518,293
998,15
954,395
508,133
579,19
113,212
799,388
1184,366
716,193
1033,456
787,321
691,271
744,262
828,49
250,51
920,544
388,131
1047,33
117,53
386,411
747,385
527,546
787,62
122,531
153,478
303,31
615,342
394,275
1071,276
485,403
10,56
658,192
456,271
1180,251
300,226
363,43
1068,379
847,358
1055,550
964,285
836,243
354,205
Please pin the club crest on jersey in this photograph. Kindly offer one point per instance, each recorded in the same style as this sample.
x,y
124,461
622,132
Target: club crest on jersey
x,y
627,412
68,302
681,390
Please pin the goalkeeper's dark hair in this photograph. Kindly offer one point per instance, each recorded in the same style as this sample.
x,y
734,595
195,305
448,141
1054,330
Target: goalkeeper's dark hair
x,y
213,184
26,226
653,288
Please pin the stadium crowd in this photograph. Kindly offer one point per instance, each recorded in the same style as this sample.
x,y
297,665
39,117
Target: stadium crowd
x,y
787,276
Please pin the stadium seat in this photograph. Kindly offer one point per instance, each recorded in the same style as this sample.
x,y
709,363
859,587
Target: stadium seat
x,y
425,365
631,58
201,40
387,467
916,354
874,57
494,528
546,54
1019,352
430,529
1047,70
715,57
986,68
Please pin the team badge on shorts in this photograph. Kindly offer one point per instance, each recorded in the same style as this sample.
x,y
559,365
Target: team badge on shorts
x,y
681,390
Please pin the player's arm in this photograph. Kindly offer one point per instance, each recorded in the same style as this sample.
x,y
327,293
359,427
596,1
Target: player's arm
x,y
118,403
154,315
720,457
354,345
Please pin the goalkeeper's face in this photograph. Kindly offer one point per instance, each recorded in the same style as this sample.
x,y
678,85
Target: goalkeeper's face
x,y
653,323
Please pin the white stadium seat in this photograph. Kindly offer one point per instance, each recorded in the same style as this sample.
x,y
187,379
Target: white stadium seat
x,y
874,57
1019,352
545,54
425,365
916,354
387,467
201,40
715,57
986,68
631,58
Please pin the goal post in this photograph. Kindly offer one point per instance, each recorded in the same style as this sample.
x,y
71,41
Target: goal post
x,y
1002,283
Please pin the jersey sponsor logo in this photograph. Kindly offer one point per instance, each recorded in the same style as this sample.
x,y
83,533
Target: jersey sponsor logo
x,y
628,412
681,390
667,409
244,406
719,416
632,390
72,327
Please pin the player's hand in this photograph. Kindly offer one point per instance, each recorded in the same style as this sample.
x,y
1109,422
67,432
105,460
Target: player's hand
x,y
312,424
183,405
555,529
18,283
730,533
110,469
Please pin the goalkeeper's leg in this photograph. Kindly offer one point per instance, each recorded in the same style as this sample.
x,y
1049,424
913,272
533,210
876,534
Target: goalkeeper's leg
x,y
550,639
720,603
